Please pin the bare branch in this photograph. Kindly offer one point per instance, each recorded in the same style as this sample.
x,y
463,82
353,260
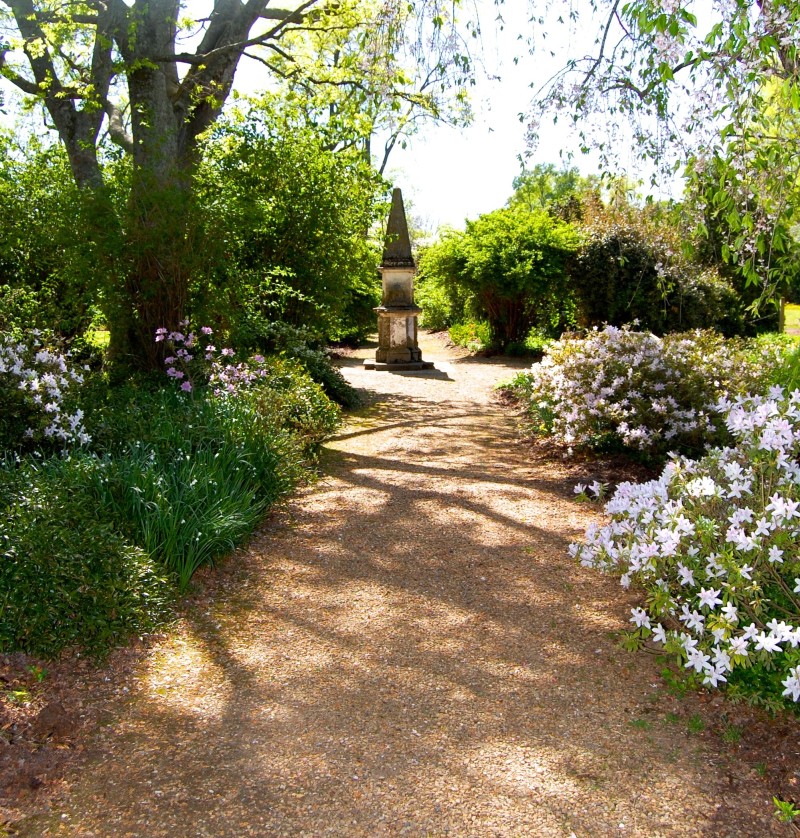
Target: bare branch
x,y
601,53
203,57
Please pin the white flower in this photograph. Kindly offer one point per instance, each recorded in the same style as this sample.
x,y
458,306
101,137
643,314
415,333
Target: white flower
x,y
767,642
792,684
738,646
709,597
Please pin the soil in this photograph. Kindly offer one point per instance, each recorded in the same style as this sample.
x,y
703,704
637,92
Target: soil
x,y
405,648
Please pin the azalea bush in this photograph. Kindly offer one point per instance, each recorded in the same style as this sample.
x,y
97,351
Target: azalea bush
x,y
619,388
39,392
715,545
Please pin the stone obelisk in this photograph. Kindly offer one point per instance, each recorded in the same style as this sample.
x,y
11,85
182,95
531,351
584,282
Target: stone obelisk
x,y
397,313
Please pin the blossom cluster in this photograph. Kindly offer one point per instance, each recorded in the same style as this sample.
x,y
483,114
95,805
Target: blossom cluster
x,y
43,380
716,544
196,360
647,393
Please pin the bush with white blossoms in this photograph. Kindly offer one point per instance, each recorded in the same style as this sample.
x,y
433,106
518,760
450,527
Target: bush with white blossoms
x,y
36,386
628,388
715,543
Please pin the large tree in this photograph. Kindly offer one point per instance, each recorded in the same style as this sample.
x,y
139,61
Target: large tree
x,y
715,86
153,80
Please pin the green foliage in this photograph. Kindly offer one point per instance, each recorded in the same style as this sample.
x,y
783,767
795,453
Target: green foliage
x,y
786,811
535,344
438,292
46,270
300,345
549,188
787,374
514,263
288,221
91,542
68,579
631,266
510,266
187,478
473,336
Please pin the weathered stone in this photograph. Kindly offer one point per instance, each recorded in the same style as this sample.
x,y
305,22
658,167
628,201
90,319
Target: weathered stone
x,y
397,314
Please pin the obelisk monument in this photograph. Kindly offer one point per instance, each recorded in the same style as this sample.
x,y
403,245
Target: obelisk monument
x,y
397,313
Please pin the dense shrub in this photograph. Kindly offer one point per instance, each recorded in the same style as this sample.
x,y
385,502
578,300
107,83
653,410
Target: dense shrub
x,y
444,302
47,274
299,344
68,579
508,267
625,271
287,223
715,544
618,388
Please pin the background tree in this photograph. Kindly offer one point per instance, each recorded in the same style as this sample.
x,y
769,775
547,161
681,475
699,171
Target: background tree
x,y
44,263
128,70
379,79
286,218
724,94
511,264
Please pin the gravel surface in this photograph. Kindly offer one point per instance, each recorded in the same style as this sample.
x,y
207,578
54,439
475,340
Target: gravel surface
x,y
407,649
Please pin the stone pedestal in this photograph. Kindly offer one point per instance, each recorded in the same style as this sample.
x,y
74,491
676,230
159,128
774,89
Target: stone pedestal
x,y
397,313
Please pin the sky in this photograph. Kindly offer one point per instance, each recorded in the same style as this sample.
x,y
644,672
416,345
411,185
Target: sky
x,y
447,174
452,174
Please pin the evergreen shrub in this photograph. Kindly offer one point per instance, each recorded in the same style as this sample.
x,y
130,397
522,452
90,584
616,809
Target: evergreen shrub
x,y
68,578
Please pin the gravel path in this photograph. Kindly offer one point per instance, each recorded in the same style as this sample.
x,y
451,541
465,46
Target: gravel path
x,y
407,649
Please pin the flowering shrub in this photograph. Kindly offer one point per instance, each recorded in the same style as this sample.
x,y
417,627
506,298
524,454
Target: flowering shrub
x,y
36,385
716,545
195,360
620,387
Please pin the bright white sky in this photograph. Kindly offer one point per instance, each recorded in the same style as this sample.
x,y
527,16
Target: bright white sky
x,y
448,175
452,174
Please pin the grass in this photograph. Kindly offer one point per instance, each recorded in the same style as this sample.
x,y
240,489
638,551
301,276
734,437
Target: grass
x,y
791,319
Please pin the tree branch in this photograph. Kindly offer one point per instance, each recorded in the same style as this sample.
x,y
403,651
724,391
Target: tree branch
x,y
117,131
601,54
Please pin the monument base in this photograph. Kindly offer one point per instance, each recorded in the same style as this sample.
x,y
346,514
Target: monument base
x,y
398,366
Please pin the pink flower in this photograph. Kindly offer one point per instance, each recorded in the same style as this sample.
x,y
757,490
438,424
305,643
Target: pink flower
x,y
186,386
207,330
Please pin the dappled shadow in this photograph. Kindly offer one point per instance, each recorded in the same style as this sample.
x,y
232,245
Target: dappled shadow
x,y
407,650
